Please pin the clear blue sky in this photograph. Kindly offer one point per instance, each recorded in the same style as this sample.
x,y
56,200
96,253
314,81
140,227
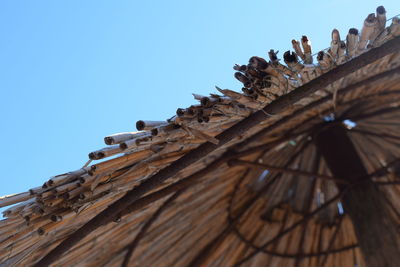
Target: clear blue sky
x,y
72,72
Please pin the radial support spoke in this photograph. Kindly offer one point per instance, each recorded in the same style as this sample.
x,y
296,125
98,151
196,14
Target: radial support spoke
x,y
286,170
132,246
288,230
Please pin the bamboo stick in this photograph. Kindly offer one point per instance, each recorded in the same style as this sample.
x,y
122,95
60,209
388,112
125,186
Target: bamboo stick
x,y
389,33
201,135
74,192
146,141
46,194
63,216
38,210
14,210
381,17
121,137
242,99
105,152
189,112
395,27
210,101
243,79
148,125
367,32
325,61
66,177
197,96
35,190
262,65
333,50
297,49
97,191
14,198
27,210
66,187
53,202
341,53
306,44
291,60
352,42
45,229
120,161
163,130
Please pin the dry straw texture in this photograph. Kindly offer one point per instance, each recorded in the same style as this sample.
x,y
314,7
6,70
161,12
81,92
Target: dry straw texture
x,y
218,206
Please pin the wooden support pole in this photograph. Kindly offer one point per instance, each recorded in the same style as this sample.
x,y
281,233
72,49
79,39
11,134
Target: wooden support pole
x,y
376,231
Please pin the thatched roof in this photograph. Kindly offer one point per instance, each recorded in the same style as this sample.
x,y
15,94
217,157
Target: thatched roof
x,y
194,189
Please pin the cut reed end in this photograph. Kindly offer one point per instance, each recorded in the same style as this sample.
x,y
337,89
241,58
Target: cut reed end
x,y
205,101
156,148
38,210
191,111
117,219
273,55
123,146
290,57
140,125
320,55
92,155
180,112
154,131
56,218
371,18
353,31
96,155
41,231
6,213
380,10
108,140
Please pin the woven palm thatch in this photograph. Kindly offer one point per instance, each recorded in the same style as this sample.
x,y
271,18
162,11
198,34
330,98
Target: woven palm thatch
x,y
237,179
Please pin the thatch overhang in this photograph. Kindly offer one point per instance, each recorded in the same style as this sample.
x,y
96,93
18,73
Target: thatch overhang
x,y
235,179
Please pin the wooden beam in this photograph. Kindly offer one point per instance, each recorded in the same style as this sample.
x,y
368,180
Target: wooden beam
x,y
376,231
380,135
375,113
203,150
